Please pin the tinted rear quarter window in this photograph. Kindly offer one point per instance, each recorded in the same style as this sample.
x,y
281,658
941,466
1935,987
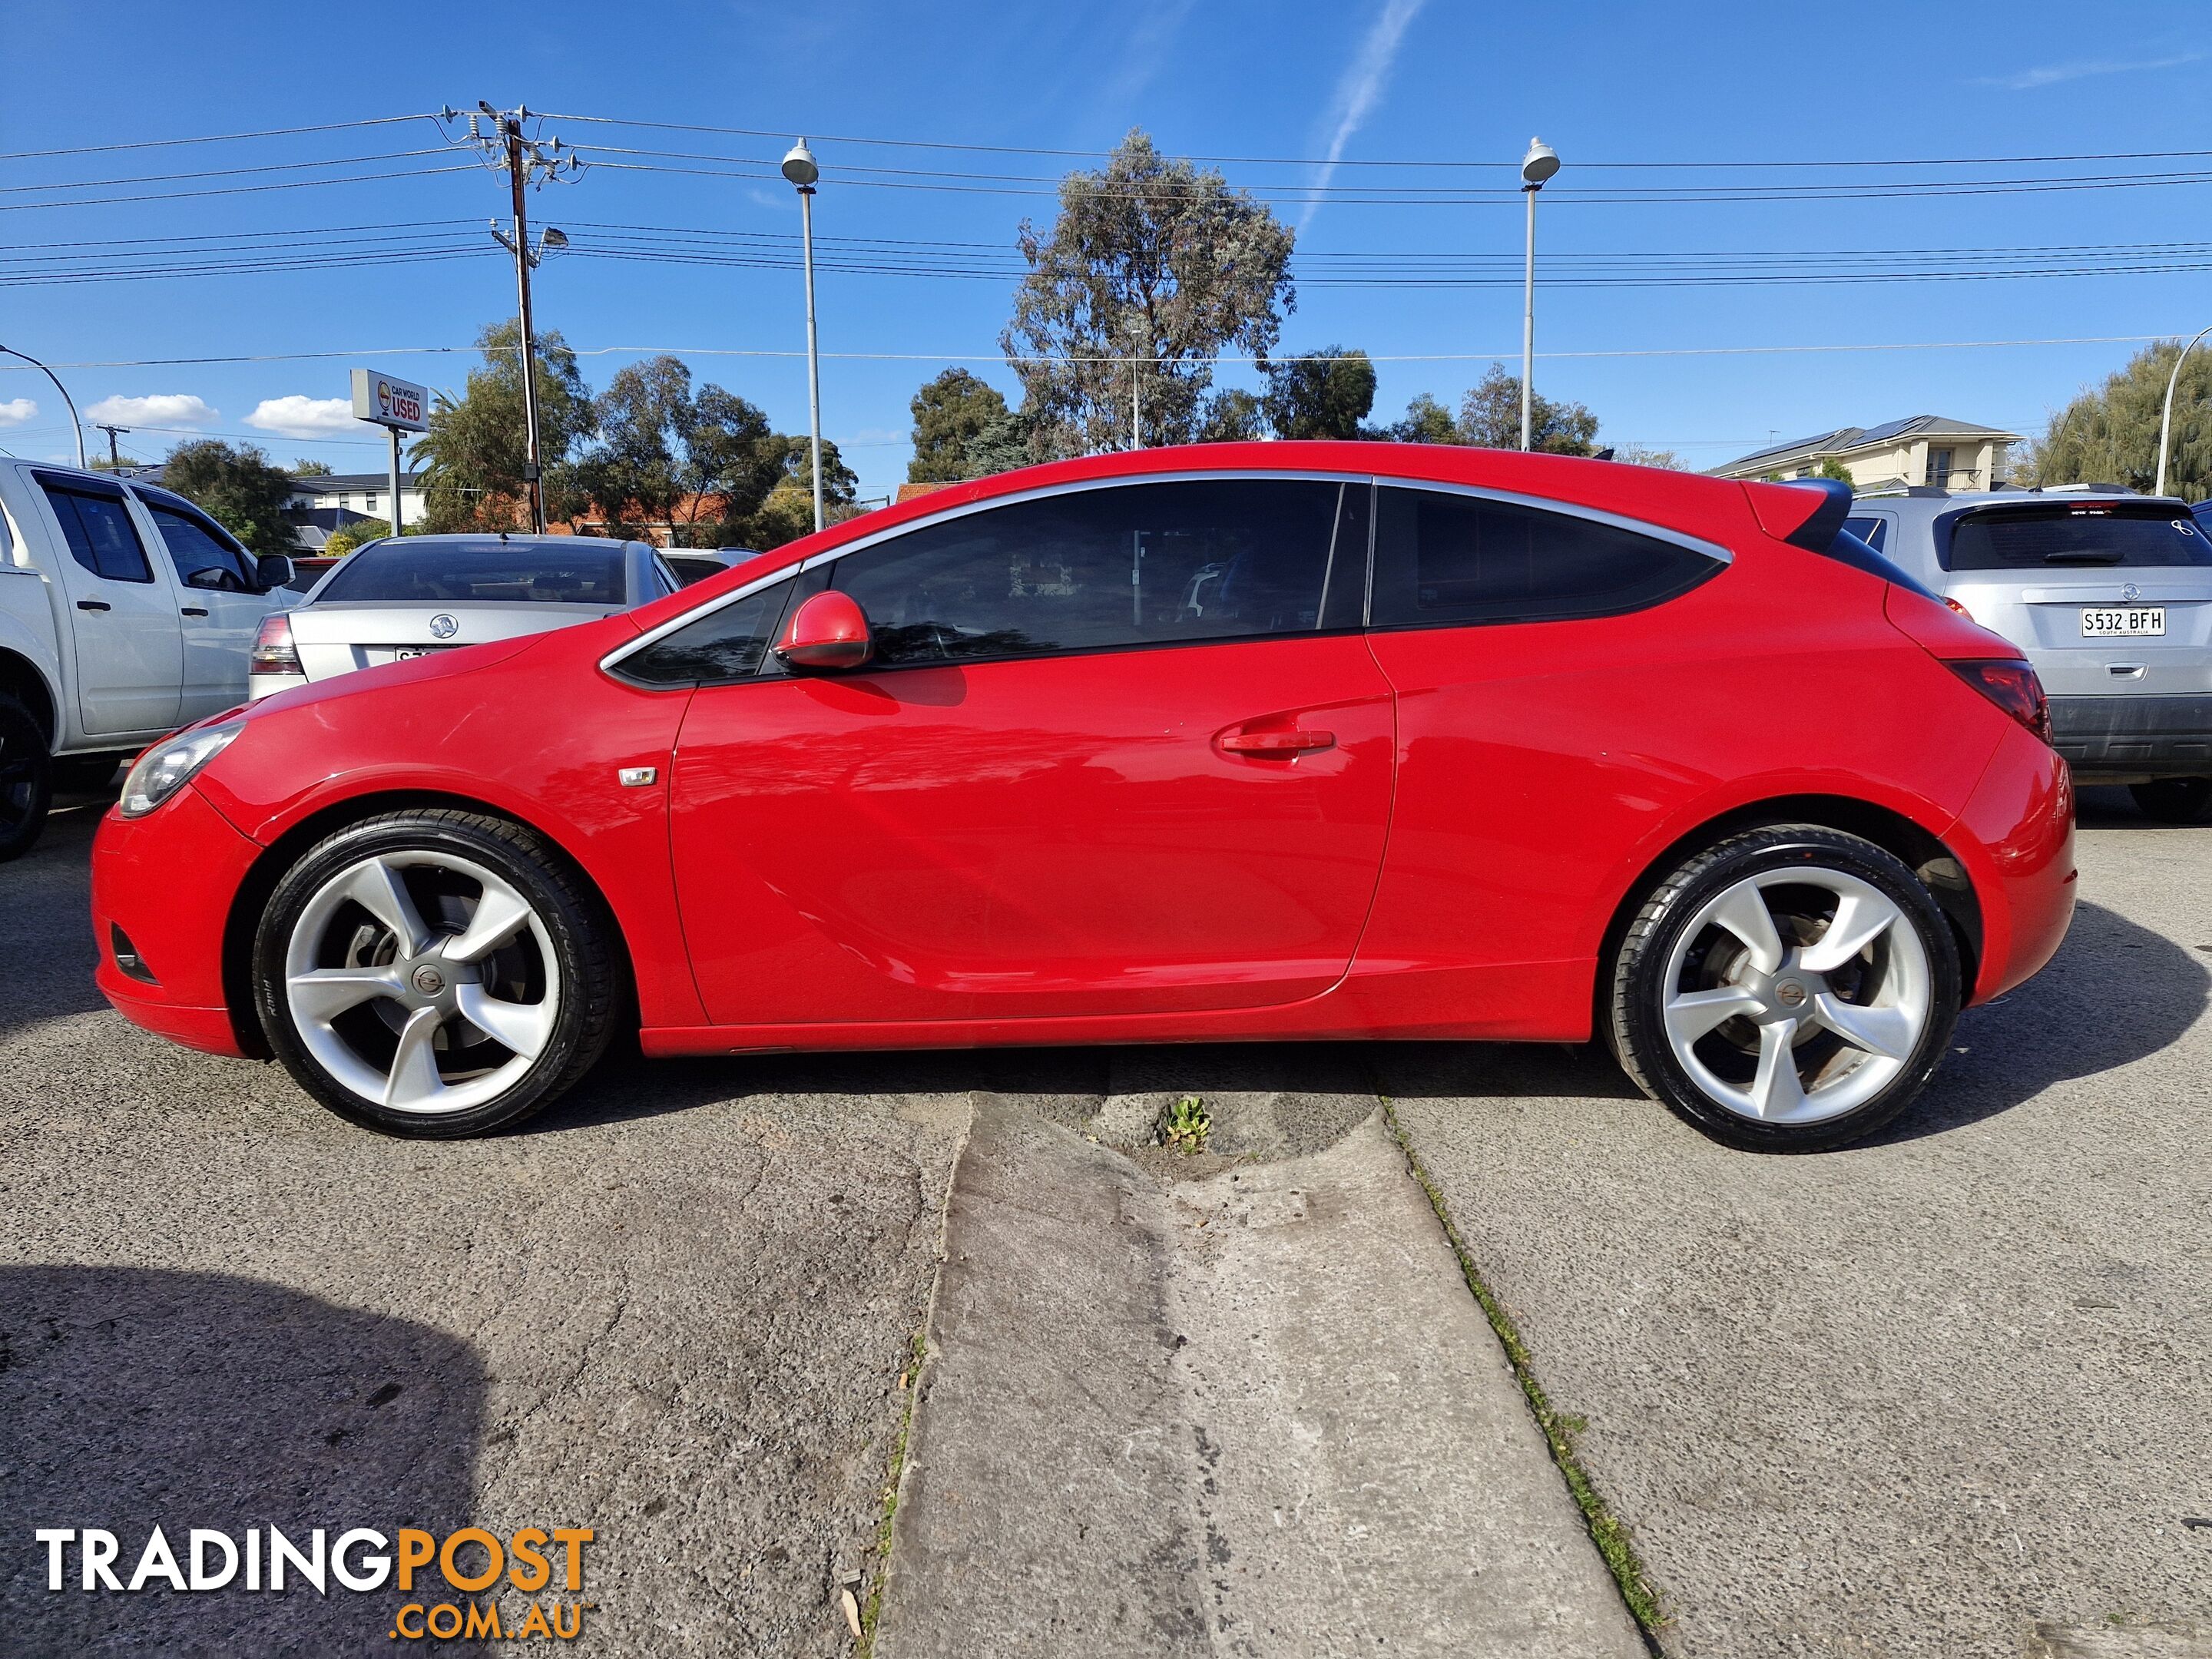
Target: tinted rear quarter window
x,y
97,526
1442,558
1872,531
403,570
1122,566
2085,534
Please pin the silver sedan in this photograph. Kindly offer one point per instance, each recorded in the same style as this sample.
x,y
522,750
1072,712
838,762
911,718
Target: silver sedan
x,y
408,596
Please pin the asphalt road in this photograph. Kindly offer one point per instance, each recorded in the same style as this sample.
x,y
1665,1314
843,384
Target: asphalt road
x,y
1910,1399
676,1311
1915,1397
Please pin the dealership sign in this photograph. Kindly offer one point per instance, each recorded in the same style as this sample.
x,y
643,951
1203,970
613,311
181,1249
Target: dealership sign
x,y
399,405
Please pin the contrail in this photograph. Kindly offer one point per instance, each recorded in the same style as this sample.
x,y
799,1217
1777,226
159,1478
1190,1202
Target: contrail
x,y
1362,85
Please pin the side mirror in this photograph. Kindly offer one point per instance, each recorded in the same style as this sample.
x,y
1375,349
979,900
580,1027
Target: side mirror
x,y
273,570
828,634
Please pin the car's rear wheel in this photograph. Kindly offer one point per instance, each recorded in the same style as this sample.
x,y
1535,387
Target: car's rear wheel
x,y
435,974
27,778
1791,989
2174,800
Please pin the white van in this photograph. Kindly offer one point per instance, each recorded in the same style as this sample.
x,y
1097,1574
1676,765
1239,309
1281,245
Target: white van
x,y
125,612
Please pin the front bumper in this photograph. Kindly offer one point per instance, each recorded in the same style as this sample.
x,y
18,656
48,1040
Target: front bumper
x,y
166,880
2123,738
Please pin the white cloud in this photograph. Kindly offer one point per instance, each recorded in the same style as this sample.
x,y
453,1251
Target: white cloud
x,y
2076,69
162,409
300,416
1361,88
16,411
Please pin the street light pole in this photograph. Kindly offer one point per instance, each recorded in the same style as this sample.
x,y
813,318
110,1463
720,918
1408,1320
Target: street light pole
x,y
76,425
2165,420
799,167
1536,167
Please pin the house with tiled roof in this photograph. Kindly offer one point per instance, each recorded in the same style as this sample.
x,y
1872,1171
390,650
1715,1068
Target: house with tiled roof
x,y
1920,449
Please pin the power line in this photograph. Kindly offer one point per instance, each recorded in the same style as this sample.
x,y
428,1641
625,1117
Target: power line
x,y
1000,357
781,135
227,173
229,190
213,137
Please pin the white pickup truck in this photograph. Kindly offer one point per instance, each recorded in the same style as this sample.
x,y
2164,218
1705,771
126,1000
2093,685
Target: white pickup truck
x,y
125,612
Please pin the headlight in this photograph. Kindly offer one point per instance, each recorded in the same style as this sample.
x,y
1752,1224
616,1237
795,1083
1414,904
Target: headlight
x,y
168,766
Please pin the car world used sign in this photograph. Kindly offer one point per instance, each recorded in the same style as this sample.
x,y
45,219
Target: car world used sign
x,y
388,402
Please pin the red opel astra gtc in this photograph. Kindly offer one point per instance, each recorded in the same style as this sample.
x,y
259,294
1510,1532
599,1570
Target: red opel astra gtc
x,y
1246,741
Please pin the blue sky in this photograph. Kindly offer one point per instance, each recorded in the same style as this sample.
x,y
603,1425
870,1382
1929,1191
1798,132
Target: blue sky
x,y
1367,79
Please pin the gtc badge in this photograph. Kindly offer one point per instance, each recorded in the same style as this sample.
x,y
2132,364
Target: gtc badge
x,y
443,627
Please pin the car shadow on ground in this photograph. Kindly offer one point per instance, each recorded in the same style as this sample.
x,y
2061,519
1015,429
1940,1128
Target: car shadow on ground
x,y
131,1398
2115,994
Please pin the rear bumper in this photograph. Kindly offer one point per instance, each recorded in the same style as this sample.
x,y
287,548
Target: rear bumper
x,y
167,880
2118,739
2016,840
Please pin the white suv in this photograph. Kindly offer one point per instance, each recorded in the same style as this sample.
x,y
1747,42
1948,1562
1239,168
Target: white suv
x,y
125,612
2107,593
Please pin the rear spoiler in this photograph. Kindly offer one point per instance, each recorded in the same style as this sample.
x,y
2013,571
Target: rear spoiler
x,y
1806,513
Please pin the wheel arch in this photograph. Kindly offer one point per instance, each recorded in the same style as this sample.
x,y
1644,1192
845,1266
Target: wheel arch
x,y
1913,844
269,867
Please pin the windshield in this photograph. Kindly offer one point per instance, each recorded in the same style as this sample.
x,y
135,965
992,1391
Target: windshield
x,y
579,570
2087,534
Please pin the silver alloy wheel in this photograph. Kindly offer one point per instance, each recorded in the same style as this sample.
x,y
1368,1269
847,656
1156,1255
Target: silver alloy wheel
x,y
1766,985
435,987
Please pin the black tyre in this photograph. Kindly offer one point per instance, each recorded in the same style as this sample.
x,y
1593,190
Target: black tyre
x,y
435,974
27,778
2174,800
1790,990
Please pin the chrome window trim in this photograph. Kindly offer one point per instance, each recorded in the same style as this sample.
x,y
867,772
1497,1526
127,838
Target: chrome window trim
x,y
611,662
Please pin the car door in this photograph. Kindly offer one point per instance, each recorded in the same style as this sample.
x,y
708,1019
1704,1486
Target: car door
x,y
1123,750
122,609
219,602
1544,696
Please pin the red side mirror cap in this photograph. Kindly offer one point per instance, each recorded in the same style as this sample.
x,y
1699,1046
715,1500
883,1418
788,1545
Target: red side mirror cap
x,y
827,633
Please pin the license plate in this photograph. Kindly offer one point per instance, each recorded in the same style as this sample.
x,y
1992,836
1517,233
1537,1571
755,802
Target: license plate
x,y
2111,621
402,653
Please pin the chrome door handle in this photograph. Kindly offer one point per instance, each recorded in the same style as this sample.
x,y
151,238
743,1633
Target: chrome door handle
x,y
94,605
1275,746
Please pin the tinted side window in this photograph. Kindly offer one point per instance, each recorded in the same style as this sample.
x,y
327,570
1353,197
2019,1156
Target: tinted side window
x,y
1125,565
197,545
1442,558
725,645
100,536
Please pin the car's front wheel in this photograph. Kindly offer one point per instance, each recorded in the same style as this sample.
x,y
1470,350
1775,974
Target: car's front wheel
x,y
27,778
435,974
1791,989
2174,800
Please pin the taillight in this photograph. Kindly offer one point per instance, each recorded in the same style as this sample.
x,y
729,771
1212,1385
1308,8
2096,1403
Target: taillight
x,y
2014,687
1956,606
273,650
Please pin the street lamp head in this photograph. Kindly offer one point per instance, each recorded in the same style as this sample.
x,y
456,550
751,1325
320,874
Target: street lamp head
x,y
554,237
799,165
1538,166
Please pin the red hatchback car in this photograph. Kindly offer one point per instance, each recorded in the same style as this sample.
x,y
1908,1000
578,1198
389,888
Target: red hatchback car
x,y
1241,742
